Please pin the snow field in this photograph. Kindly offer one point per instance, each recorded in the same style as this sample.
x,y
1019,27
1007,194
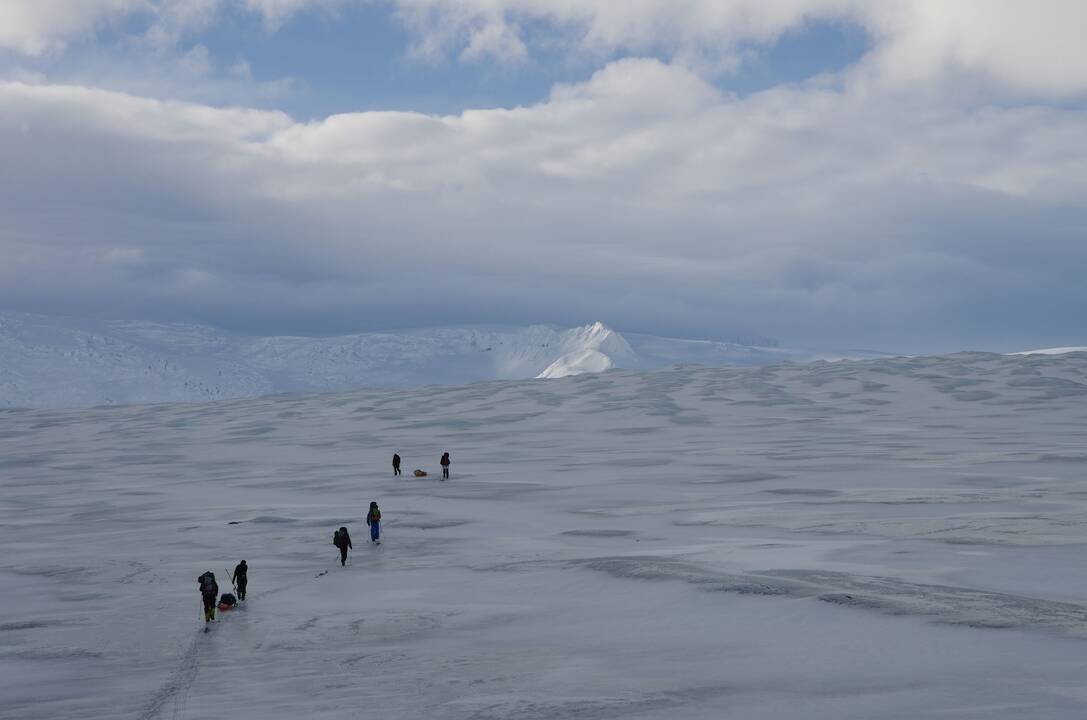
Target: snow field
x,y
894,538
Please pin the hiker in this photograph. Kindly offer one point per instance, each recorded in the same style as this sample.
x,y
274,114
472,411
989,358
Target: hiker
x,y
396,464
240,578
373,519
209,593
445,466
343,541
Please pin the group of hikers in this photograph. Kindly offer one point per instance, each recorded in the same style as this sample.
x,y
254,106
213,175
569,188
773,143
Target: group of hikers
x,y
342,539
209,588
444,462
209,591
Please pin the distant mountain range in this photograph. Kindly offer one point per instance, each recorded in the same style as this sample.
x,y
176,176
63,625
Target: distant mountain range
x,y
50,361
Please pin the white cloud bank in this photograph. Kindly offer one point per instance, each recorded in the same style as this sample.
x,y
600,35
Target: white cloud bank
x,y
643,193
880,206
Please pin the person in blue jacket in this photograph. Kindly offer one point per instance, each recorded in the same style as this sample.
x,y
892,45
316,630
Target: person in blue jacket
x,y
373,519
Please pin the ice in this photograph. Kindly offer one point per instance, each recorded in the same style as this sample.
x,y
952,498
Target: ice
x,y
65,362
690,543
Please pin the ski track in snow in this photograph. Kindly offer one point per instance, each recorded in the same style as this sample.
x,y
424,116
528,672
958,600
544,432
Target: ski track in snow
x,y
897,538
176,690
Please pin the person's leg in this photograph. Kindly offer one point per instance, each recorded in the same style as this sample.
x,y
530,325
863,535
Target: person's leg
x,y
343,556
374,532
241,589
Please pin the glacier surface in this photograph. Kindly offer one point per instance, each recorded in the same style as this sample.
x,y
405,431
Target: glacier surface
x,y
896,538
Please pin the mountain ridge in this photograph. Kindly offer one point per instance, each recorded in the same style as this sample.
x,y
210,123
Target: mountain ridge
x,y
50,361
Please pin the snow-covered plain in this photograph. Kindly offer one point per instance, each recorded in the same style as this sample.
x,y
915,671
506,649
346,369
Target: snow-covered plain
x,y
883,539
50,361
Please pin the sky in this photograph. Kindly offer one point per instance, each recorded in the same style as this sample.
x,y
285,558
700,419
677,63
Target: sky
x,y
907,175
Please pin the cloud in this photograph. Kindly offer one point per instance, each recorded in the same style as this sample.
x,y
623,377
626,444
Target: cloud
x,y
276,12
495,39
643,195
242,70
1031,47
34,27
40,26
1027,46
197,61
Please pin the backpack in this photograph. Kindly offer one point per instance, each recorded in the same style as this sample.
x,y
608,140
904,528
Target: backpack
x,y
336,539
207,584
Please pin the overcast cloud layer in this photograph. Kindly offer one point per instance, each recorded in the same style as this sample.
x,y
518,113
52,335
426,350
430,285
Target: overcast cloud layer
x,y
928,197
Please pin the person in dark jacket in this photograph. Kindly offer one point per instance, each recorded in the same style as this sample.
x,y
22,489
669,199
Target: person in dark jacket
x,y
396,464
373,519
241,578
445,466
209,593
343,541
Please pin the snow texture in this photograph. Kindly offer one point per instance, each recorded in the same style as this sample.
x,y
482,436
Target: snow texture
x,y
64,362
898,538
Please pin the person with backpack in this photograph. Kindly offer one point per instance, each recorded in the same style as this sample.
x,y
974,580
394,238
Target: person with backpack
x,y
241,579
343,541
445,466
373,519
209,593
396,465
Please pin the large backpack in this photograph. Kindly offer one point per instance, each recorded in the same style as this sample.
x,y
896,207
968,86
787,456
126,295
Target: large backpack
x,y
207,584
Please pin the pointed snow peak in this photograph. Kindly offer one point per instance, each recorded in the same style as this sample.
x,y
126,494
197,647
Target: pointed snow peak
x,y
598,336
590,349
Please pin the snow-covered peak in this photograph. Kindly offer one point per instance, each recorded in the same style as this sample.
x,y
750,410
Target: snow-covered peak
x,y
591,349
